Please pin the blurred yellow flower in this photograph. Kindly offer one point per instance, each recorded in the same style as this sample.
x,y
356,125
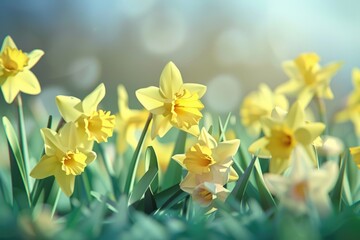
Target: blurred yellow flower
x,y
129,122
304,185
173,104
355,153
96,124
351,112
308,78
205,193
15,74
260,104
66,155
282,135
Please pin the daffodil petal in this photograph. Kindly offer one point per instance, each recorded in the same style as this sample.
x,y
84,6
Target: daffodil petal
x,y
325,178
291,87
34,57
276,184
66,182
160,126
233,176
27,82
305,97
188,183
91,101
329,71
307,133
193,130
69,107
10,89
151,99
90,157
8,42
291,70
278,165
179,158
170,80
296,116
195,88
45,168
226,149
258,147
207,139
52,142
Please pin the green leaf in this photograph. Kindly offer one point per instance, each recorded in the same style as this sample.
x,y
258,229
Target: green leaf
x,y
173,173
266,200
222,128
145,182
240,187
338,189
18,173
130,179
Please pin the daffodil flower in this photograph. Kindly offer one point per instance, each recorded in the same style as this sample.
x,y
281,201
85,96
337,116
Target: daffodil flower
x,y
208,158
98,125
66,156
283,135
305,188
173,104
128,122
351,112
308,78
15,74
205,193
259,104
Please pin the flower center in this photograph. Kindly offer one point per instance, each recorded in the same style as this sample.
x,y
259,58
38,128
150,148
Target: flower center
x,y
203,196
73,163
99,126
198,159
13,60
281,142
308,66
185,109
299,190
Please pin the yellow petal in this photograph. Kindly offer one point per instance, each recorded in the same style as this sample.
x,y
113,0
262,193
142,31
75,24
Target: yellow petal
x,y
66,182
10,89
291,87
170,80
307,134
69,107
258,147
189,183
278,165
45,168
151,99
27,82
233,176
179,158
195,88
52,142
296,116
160,126
356,77
123,100
193,130
328,71
90,157
8,42
207,139
292,71
73,138
91,101
226,149
34,57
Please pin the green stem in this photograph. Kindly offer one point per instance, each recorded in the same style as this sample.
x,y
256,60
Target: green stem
x,y
55,203
135,159
322,112
23,142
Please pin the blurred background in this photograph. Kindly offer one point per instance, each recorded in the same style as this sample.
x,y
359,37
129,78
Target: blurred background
x,y
230,46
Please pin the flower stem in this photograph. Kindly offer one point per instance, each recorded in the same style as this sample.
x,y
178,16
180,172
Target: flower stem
x,y
135,159
22,133
55,203
322,112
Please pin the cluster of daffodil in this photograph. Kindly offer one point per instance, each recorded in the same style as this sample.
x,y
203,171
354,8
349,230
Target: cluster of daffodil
x,y
69,151
208,163
288,138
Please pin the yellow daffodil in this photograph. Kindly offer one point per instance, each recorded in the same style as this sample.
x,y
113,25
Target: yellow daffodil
x,y
351,112
66,155
208,162
173,104
308,78
305,186
259,104
129,122
15,74
205,193
282,135
355,153
98,125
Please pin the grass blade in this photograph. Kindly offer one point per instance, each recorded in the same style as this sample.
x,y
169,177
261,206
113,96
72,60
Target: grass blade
x,y
338,189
